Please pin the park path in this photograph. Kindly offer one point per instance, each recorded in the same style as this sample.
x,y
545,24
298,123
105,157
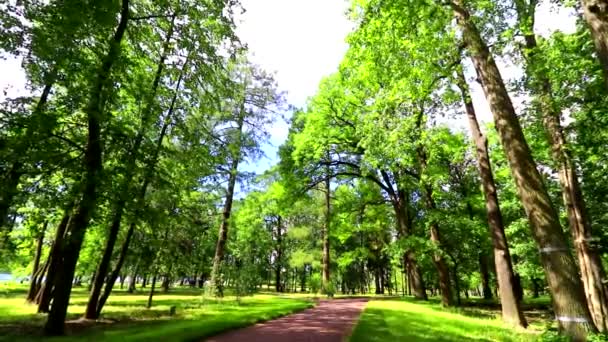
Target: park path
x,y
329,321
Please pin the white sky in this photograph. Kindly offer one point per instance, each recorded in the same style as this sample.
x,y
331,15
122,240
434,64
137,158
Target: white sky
x,y
302,41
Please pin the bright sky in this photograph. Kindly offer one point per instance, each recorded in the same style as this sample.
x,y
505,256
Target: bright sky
x,y
303,41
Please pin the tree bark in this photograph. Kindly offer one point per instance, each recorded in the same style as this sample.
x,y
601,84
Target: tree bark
x,y
31,295
592,271
511,307
93,167
44,296
561,271
595,13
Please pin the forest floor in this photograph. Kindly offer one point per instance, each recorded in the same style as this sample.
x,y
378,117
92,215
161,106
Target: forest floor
x,y
416,321
125,317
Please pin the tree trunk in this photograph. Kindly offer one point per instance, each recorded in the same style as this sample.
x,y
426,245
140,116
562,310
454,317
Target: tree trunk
x,y
561,270
595,13
151,295
130,165
216,279
535,288
485,276
456,284
303,280
9,190
401,213
44,296
511,307
438,259
592,271
132,280
35,269
278,286
141,196
93,165
326,231
115,272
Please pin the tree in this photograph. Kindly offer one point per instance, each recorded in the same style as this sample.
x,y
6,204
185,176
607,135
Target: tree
x,y
561,271
510,305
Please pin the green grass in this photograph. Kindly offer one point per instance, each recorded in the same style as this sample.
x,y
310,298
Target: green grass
x,y
409,320
125,317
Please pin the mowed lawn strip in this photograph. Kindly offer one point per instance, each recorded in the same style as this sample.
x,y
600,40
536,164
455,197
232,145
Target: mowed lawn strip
x,y
412,321
125,317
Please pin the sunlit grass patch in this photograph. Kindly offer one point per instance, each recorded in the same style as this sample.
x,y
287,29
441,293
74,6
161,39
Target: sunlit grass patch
x,y
406,320
125,317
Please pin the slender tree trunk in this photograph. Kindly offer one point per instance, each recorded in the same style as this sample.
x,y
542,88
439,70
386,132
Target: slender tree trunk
x,y
511,307
400,205
9,190
93,166
216,279
44,296
535,288
131,160
132,280
116,271
279,260
303,280
595,13
140,197
326,231
456,283
438,259
35,269
592,271
485,276
569,301
152,288
39,277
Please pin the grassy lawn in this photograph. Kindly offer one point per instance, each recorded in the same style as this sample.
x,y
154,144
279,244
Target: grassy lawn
x,y
409,320
125,317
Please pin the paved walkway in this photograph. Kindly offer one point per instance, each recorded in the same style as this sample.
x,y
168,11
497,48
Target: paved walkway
x,y
329,321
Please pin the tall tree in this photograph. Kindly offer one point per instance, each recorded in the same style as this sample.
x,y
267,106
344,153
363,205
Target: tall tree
x,y
88,194
510,305
592,271
562,272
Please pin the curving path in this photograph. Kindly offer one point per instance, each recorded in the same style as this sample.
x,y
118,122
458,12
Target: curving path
x,y
329,321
